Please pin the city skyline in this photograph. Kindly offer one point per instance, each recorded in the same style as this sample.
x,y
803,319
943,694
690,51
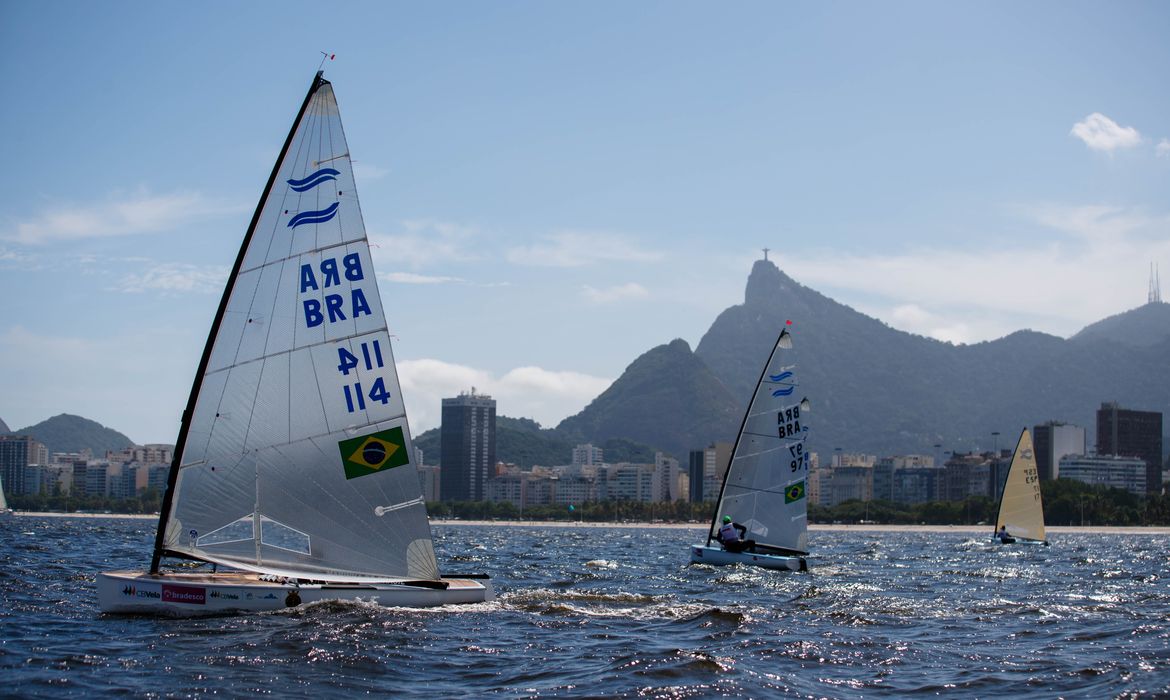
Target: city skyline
x,y
551,190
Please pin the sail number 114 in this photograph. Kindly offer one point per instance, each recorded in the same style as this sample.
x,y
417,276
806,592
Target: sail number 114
x,y
371,357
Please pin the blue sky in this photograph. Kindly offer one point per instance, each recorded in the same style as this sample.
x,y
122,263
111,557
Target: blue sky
x,y
553,188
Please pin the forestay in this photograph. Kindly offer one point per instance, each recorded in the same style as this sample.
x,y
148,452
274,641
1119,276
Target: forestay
x,y
297,458
766,482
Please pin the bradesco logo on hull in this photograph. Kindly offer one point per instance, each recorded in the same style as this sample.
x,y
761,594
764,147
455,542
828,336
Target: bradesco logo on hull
x,y
184,594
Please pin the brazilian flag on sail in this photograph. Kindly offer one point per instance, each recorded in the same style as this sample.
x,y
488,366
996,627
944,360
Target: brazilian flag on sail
x,y
369,454
794,492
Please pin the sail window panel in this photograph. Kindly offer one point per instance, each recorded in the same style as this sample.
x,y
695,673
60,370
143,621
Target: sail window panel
x,y
235,320
257,324
281,536
242,530
306,407
269,423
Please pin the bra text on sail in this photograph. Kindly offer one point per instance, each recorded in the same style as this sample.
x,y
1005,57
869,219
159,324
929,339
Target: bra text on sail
x,y
334,307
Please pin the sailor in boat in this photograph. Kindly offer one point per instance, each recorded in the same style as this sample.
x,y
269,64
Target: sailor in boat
x,y
1002,534
731,536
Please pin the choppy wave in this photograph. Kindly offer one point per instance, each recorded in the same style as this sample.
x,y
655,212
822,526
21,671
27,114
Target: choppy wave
x,y
620,613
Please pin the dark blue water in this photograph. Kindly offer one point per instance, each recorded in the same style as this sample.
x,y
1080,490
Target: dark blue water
x,y
617,612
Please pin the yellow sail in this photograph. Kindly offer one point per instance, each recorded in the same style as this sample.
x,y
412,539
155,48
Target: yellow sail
x,y
1020,509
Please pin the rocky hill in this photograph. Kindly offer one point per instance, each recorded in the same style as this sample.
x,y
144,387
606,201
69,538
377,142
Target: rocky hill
x,y
4,427
667,398
879,390
68,433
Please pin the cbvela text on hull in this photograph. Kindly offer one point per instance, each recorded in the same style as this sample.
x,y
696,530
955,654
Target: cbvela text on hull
x,y
197,594
717,556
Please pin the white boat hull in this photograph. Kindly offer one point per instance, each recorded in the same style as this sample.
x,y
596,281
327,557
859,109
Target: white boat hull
x,y
197,594
717,556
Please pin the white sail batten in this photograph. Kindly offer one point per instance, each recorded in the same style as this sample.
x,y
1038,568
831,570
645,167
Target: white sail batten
x,y
1020,507
766,482
298,440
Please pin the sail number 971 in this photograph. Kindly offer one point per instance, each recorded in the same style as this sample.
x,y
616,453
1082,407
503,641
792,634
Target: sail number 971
x,y
799,457
371,357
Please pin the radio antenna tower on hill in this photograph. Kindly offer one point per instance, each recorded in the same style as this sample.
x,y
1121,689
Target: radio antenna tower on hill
x,y
1155,287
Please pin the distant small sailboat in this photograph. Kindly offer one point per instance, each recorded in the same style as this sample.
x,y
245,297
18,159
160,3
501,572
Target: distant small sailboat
x,y
1021,512
4,509
764,490
294,465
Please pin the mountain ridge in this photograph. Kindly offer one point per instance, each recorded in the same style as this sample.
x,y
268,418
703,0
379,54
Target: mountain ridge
x,y
879,390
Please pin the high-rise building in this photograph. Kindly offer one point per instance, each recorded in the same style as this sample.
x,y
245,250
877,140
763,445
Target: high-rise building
x,y
467,446
16,453
1052,441
695,476
1127,433
587,456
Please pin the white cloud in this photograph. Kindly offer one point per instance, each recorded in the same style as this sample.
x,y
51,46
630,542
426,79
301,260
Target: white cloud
x,y
1101,133
621,292
412,278
363,171
912,318
1163,148
1097,269
1093,223
422,242
530,392
133,214
579,248
9,255
175,277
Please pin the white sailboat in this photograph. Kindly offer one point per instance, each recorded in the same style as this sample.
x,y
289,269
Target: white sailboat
x,y
765,487
1021,512
4,509
294,468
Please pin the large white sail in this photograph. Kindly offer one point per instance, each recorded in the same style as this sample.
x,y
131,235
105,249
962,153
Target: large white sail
x,y
296,458
766,483
1020,507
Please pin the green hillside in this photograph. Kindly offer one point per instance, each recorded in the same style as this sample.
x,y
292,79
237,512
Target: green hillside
x,y
68,433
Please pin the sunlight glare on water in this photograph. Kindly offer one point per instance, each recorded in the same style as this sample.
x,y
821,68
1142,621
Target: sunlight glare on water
x,y
619,612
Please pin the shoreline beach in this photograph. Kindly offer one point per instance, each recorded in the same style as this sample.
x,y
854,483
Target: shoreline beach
x,y
814,527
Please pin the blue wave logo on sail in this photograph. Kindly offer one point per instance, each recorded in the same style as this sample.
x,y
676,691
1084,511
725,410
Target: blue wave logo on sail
x,y
785,391
322,175
313,217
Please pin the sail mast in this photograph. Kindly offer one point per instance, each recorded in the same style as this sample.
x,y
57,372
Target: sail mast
x,y
739,435
184,425
1007,479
